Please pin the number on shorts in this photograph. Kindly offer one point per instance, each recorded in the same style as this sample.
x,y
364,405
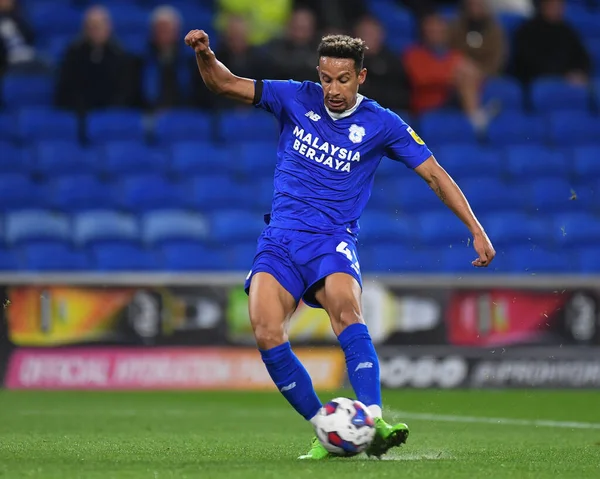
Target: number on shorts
x,y
343,248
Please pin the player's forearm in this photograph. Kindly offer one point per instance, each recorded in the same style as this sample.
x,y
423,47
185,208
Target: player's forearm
x,y
452,196
216,76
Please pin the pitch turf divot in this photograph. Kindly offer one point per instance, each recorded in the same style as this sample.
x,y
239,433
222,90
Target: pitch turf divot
x,y
500,421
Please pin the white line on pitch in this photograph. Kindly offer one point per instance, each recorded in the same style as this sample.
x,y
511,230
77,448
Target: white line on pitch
x,y
501,421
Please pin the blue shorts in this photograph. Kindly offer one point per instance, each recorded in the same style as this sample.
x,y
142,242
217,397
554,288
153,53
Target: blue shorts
x,y
299,260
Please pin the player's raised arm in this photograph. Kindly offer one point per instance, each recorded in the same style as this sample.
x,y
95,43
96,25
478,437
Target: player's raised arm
x,y
217,77
449,192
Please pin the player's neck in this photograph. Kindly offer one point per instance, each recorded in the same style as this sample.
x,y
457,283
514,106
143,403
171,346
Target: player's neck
x,y
338,116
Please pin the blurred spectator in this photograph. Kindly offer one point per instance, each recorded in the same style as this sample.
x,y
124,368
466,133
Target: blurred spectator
x,y
478,35
240,57
547,46
517,7
440,76
96,72
166,75
295,56
17,53
386,79
337,16
266,18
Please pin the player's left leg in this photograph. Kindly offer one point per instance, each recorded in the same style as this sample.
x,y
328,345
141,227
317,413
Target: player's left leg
x,y
340,295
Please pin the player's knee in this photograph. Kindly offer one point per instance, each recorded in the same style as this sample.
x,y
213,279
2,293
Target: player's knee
x,y
268,334
344,315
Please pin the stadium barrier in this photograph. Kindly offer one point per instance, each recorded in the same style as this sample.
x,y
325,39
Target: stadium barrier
x,y
192,332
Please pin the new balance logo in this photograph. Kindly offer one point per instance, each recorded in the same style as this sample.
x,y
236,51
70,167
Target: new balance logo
x,y
288,387
364,366
313,116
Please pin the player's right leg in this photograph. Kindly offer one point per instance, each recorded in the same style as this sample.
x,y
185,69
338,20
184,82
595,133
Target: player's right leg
x,y
271,306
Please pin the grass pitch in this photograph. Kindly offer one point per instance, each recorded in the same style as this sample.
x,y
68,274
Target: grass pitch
x,y
454,434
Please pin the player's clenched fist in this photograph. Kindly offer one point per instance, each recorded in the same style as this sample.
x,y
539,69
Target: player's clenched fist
x,y
198,40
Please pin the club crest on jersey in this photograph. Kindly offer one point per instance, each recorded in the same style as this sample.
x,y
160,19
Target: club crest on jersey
x,y
357,133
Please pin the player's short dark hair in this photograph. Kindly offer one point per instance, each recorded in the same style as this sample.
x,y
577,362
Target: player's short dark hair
x,y
343,46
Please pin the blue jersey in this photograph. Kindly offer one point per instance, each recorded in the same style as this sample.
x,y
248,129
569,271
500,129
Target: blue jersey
x,y
326,163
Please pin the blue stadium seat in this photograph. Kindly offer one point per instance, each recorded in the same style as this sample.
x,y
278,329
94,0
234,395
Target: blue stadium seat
x,y
20,91
149,192
394,17
247,125
384,195
510,23
550,94
549,195
458,259
505,90
389,167
508,228
441,229
234,226
12,159
192,256
106,226
123,257
576,229
586,162
134,43
536,260
535,161
378,226
55,18
515,128
159,227
8,259
584,21
393,258
398,42
7,127
77,193
256,158
586,196
240,256
465,161
489,194
574,128
593,47
28,226
183,125
194,158
442,127
56,257
212,191
35,124
128,18
261,194
18,192
414,194
55,47
63,157
115,124
588,260
132,157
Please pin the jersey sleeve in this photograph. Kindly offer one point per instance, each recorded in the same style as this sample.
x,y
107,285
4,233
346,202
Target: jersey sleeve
x,y
272,95
403,144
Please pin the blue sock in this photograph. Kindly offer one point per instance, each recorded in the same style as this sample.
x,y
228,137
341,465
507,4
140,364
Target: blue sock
x,y
362,363
292,379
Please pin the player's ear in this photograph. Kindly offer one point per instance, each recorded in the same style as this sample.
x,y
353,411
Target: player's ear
x,y
362,76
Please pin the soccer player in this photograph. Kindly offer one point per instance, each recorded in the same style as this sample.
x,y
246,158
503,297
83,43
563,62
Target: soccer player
x,y
331,142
